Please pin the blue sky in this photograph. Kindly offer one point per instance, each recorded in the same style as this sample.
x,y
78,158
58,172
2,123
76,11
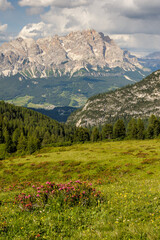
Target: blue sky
x,y
133,24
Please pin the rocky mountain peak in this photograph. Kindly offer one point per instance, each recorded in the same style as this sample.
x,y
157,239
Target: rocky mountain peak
x,y
64,55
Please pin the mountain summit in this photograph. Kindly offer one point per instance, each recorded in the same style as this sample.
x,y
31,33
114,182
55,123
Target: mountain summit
x,y
64,71
52,56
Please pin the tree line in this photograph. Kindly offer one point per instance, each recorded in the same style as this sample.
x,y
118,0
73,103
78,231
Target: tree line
x,y
134,129
23,131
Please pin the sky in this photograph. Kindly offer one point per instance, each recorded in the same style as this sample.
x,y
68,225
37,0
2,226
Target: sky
x,y
133,24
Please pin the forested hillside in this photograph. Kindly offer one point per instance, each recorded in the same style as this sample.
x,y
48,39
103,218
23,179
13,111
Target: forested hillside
x,y
24,130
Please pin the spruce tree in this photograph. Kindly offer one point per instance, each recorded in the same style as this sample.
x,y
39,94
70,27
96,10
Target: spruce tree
x,y
22,144
140,129
132,129
119,130
107,131
95,135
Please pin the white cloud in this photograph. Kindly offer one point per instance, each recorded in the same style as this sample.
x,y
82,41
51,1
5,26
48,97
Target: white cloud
x,y
4,5
4,36
139,44
35,30
37,3
56,3
133,23
34,10
3,28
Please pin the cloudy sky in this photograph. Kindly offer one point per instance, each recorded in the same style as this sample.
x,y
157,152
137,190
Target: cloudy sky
x,y
133,24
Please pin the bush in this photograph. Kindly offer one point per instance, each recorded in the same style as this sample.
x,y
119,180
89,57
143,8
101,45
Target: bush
x,y
71,194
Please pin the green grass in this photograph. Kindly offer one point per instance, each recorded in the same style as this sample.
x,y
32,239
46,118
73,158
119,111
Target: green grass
x,y
127,173
21,101
2,151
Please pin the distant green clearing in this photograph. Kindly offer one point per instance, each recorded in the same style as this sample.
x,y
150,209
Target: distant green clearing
x,y
61,91
20,101
127,173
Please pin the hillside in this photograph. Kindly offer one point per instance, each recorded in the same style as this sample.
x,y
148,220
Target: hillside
x,y
139,100
24,131
64,71
127,174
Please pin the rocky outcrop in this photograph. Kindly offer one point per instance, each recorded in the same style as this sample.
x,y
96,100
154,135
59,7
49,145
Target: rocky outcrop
x,y
139,100
67,55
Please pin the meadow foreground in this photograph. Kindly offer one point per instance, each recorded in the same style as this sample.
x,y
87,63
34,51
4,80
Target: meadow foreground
x,y
104,190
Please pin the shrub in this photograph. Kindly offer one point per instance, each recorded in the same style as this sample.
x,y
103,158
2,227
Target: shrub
x,y
71,194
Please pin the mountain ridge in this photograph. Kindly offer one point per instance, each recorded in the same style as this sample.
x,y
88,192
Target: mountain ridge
x,y
53,56
64,71
138,100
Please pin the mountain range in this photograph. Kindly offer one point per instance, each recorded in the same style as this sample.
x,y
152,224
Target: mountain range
x,y
64,71
138,100
151,61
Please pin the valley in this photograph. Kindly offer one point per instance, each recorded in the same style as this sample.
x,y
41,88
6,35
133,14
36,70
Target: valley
x,y
64,71
79,120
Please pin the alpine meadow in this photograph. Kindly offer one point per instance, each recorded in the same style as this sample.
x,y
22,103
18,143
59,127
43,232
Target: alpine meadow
x,y
79,120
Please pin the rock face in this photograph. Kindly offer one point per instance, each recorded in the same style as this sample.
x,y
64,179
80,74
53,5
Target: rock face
x,y
139,100
57,56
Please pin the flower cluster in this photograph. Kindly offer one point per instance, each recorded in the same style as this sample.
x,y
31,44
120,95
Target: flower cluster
x,y
72,194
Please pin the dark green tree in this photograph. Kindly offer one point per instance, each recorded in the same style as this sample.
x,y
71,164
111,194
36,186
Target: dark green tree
x,y
119,130
153,129
132,129
15,136
140,129
107,131
22,144
32,144
95,135
9,146
46,139
82,134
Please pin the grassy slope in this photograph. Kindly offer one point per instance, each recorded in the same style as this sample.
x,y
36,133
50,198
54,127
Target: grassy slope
x,y
126,172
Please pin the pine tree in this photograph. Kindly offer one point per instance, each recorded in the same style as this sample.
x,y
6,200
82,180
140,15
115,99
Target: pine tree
x,y
1,131
9,147
119,130
46,139
95,135
140,129
32,145
22,144
107,131
153,129
132,129
15,136
82,134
